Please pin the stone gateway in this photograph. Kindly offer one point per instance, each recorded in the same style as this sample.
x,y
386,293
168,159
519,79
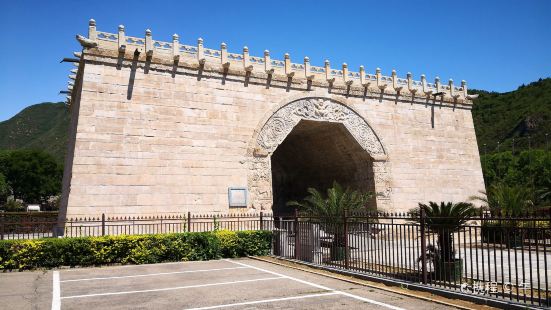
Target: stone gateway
x,y
163,127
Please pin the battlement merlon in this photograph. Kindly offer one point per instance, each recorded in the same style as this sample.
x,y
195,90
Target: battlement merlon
x,y
180,54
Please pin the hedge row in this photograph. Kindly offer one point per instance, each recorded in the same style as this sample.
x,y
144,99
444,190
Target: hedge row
x,y
131,249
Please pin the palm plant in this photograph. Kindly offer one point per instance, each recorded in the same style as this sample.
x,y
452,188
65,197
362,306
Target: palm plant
x,y
504,200
510,200
544,193
330,208
444,219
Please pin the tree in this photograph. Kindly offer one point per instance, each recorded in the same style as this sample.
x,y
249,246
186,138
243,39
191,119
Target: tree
x,y
444,219
333,206
529,169
510,200
4,189
33,176
331,209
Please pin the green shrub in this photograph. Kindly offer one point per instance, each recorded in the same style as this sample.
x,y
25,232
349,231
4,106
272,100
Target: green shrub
x,y
500,231
13,206
228,243
254,242
131,249
536,229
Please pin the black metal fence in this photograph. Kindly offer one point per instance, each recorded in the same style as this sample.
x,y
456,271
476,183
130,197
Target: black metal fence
x,y
493,256
27,225
42,225
507,258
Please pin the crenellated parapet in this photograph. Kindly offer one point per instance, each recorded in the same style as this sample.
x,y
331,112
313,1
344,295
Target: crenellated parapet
x,y
181,55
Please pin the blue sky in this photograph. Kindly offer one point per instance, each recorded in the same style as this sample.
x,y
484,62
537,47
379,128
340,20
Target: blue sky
x,y
494,45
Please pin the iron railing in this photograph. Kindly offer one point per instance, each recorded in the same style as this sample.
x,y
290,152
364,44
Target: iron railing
x,y
38,225
493,256
499,257
27,225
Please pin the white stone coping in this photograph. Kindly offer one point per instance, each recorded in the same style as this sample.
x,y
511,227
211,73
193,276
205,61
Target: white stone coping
x,y
333,77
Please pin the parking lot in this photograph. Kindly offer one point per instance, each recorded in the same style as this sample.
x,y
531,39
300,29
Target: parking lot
x,y
218,284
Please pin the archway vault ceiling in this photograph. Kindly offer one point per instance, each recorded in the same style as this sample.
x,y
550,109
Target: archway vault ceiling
x,y
327,143
314,155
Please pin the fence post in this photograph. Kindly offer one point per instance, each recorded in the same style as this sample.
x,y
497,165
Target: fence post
x,y
261,220
2,226
423,247
345,228
297,241
549,211
189,221
103,224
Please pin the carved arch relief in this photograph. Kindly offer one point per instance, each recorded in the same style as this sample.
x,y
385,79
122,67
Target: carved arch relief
x,y
282,122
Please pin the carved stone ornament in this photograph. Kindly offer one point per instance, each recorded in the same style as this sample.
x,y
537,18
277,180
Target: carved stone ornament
x,y
282,122
285,119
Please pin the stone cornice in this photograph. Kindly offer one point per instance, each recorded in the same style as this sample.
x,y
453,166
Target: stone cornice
x,y
122,50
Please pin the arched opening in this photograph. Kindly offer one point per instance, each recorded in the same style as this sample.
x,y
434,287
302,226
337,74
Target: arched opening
x,y
314,154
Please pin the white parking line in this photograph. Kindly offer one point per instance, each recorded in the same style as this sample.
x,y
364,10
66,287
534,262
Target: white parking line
x,y
281,275
319,286
171,288
265,301
142,265
56,302
371,301
153,274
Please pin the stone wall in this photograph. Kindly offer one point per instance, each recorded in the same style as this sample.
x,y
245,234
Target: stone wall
x,y
155,132
178,143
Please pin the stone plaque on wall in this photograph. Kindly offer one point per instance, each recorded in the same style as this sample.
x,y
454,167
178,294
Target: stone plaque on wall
x,y
237,196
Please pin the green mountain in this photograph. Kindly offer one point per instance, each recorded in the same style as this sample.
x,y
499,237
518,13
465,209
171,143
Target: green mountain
x,y
41,126
522,116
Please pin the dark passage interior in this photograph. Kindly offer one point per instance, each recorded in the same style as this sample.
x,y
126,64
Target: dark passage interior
x,y
315,154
